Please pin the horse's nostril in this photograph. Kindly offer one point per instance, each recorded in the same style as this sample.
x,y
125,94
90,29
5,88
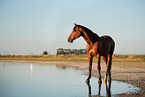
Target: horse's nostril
x,y
70,40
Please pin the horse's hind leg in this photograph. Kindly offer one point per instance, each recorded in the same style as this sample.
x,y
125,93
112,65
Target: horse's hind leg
x,y
109,63
105,59
99,68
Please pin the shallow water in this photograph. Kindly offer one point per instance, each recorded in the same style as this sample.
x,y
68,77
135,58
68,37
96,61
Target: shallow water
x,y
46,80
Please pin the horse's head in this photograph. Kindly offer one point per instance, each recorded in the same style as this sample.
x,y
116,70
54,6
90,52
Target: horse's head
x,y
76,33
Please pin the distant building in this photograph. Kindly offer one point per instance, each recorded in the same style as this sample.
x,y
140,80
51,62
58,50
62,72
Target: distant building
x,y
71,51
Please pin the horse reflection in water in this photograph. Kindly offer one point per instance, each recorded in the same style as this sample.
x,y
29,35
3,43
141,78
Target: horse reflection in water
x,y
108,89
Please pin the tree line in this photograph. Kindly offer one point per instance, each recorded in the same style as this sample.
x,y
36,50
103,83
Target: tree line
x,y
71,51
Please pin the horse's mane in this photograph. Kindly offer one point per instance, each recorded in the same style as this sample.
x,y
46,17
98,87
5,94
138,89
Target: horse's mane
x,y
90,33
87,30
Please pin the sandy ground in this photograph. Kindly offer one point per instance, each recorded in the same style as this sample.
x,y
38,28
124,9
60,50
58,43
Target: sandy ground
x,y
130,72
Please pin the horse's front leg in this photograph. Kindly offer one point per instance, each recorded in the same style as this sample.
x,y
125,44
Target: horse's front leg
x,y
90,69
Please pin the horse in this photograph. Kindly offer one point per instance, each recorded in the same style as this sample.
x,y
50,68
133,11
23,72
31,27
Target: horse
x,y
96,46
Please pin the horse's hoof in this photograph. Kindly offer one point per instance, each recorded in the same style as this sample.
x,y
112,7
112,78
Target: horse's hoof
x,y
100,81
87,81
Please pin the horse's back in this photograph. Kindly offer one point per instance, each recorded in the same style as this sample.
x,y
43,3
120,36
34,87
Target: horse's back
x,y
108,42
106,37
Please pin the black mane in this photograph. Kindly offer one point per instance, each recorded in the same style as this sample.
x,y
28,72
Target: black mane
x,y
85,28
88,30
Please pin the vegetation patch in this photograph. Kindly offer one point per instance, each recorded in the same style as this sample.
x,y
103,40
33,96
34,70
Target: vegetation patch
x,y
121,56
71,58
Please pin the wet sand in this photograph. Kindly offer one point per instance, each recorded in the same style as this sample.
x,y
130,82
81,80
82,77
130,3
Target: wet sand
x,y
130,72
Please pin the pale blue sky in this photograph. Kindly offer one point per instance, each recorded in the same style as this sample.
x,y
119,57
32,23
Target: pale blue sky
x,y
32,26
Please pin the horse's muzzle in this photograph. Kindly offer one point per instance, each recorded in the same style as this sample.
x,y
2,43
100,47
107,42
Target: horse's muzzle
x,y
70,40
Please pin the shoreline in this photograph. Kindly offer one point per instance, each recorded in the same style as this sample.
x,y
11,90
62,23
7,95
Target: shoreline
x,y
129,72
72,58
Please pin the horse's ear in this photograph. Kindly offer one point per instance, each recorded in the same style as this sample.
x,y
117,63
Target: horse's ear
x,y
75,24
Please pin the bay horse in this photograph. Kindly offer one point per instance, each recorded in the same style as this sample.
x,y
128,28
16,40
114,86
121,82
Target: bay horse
x,y
96,46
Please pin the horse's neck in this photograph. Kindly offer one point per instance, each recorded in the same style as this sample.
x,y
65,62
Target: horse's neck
x,y
90,37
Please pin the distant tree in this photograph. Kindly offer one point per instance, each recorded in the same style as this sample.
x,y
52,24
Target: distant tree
x,y
60,51
45,53
71,51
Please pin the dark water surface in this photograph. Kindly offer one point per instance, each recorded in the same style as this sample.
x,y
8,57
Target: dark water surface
x,y
46,80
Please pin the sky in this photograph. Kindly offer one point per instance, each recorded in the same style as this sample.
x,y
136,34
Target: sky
x,y
29,27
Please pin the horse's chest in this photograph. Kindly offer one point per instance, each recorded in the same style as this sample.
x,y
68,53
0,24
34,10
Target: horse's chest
x,y
93,50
